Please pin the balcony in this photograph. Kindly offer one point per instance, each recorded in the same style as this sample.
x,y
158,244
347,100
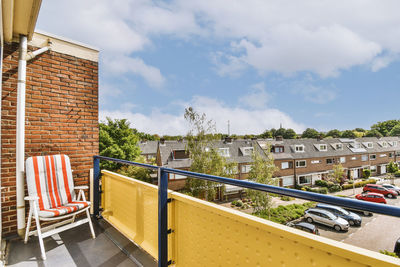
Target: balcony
x,y
180,230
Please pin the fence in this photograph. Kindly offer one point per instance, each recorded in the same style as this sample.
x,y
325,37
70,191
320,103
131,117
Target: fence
x,y
181,230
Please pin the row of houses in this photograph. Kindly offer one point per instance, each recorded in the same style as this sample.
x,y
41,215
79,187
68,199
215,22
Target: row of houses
x,y
298,161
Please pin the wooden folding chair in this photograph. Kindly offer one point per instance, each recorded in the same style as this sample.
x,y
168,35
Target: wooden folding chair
x,y
52,197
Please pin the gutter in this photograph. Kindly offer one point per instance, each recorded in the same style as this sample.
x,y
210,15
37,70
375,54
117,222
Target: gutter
x,y
24,56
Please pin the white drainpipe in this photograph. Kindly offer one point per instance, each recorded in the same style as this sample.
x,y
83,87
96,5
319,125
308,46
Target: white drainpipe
x,y
20,157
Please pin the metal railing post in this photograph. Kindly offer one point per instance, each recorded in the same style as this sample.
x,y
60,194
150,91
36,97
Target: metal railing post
x,y
96,186
162,218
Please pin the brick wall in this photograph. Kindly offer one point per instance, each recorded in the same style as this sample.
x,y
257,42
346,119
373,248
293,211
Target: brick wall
x,y
61,117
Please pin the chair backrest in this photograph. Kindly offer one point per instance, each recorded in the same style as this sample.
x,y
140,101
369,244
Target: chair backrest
x,y
50,178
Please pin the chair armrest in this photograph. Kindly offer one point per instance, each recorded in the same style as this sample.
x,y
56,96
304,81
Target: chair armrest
x,y
31,198
81,187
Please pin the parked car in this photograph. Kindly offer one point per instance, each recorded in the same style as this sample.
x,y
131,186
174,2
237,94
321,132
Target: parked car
x,y
352,218
397,247
307,227
372,197
392,187
375,188
325,217
364,212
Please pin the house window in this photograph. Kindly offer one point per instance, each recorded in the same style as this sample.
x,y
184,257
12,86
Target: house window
x,y
323,148
330,161
180,154
339,146
372,157
373,168
305,179
315,161
247,151
364,157
353,158
224,151
390,154
246,168
173,176
278,149
286,165
299,148
300,163
369,145
382,155
342,159
394,143
384,144
233,170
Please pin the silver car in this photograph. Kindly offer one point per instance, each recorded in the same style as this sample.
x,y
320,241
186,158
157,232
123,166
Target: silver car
x,y
325,217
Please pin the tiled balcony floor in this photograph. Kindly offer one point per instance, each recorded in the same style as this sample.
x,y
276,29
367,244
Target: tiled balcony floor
x,y
75,247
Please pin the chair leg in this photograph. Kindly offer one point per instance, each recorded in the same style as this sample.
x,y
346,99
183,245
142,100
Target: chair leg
x,y
90,224
39,232
28,225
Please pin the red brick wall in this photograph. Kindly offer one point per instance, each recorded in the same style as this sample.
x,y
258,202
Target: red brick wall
x,y
61,117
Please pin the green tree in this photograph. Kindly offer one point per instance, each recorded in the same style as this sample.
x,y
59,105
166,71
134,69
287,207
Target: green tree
x,y
310,133
280,132
366,173
392,167
117,140
385,127
373,133
136,172
290,134
334,133
361,130
395,131
204,155
262,171
337,176
266,134
348,134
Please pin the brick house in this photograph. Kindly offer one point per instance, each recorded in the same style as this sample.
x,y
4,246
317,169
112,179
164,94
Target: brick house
x,y
303,161
61,104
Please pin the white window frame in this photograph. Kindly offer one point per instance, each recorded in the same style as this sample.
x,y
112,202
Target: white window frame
x,y
308,176
284,165
338,146
371,158
353,158
364,157
298,163
245,168
323,149
316,161
224,151
246,149
296,148
342,160
373,168
382,155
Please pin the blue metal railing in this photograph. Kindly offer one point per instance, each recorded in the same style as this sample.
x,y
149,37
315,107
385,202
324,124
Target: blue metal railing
x,y
163,197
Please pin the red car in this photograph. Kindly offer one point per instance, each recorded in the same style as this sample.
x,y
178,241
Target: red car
x,y
373,197
380,190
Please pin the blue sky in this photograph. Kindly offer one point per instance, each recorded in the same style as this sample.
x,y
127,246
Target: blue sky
x,y
255,63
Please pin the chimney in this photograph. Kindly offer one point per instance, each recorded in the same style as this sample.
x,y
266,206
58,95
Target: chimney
x,y
162,141
279,138
254,138
228,140
319,138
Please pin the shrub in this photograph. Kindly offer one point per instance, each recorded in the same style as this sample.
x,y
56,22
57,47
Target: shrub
x,y
330,184
286,198
321,183
284,214
239,203
367,173
347,186
388,253
397,174
234,203
359,184
335,188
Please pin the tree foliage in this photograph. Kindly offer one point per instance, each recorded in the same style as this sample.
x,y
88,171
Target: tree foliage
x,y
262,171
334,133
337,176
310,133
290,134
385,127
204,155
392,167
348,134
366,173
373,133
136,172
117,140
395,130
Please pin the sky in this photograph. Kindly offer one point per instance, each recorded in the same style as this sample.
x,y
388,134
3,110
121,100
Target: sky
x,y
258,64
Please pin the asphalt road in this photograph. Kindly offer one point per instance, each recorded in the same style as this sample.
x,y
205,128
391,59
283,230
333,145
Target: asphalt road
x,y
377,232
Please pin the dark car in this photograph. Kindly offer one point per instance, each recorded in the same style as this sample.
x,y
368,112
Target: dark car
x,y
352,218
307,227
397,247
392,187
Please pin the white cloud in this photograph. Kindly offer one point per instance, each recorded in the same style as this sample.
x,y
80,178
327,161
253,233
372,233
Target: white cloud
x,y
257,98
242,120
314,93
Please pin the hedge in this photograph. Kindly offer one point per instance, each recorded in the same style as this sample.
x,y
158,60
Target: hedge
x,y
284,214
359,184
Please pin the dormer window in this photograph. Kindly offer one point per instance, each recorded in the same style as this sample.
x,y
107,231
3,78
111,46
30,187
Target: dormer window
x,y
277,149
339,146
247,151
383,144
299,148
322,147
394,143
224,151
180,154
370,145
